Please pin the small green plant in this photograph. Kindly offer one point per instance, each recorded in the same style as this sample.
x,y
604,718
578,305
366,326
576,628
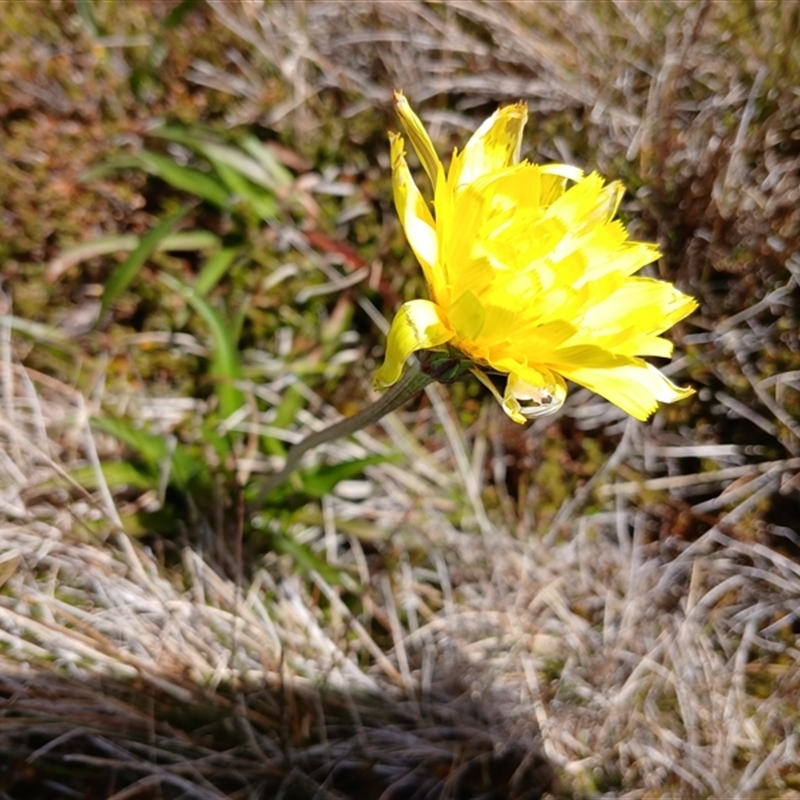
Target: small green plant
x,y
225,194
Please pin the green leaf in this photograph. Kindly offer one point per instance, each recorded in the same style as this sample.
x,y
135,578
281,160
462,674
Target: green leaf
x,y
215,268
220,443
116,474
251,171
306,559
162,521
152,449
291,403
191,136
188,179
85,9
278,176
226,366
186,241
252,161
320,481
182,466
129,268
240,162
263,203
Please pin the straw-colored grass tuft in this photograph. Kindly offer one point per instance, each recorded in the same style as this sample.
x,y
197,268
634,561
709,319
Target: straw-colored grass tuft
x,y
591,607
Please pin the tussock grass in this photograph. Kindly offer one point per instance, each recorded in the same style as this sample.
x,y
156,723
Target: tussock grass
x,y
592,607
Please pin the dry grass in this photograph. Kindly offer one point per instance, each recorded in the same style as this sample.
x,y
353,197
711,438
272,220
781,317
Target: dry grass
x,y
593,608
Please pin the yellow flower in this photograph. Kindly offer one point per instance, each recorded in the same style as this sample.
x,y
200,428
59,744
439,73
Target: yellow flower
x,y
529,275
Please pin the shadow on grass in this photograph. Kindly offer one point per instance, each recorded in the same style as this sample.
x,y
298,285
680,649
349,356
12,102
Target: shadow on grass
x,y
101,737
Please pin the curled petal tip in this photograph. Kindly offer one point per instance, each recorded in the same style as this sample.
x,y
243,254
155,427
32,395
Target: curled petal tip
x,y
418,325
525,401
418,136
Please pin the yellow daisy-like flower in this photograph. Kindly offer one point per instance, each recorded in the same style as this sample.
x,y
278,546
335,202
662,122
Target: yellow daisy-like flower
x,y
529,275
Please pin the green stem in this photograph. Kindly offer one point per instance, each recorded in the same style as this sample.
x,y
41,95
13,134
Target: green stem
x,y
411,384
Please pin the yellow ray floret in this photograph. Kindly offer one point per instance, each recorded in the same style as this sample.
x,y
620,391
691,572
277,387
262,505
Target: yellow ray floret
x,y
529,275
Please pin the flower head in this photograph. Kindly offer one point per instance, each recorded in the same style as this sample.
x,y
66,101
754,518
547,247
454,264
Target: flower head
x,y
529,274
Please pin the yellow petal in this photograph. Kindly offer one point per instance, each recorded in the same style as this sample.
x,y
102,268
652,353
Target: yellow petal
x,y
626,259
571,173
420,141
494,146
644,344
414,214
467,316
489,384
586,203
540,394
449,228
539,342
645,305
633,385
418,325
523,401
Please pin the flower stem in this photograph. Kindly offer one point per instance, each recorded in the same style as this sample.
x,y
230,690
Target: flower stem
x,y
411,384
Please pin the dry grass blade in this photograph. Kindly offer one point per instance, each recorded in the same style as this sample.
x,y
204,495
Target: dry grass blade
x,y
592,608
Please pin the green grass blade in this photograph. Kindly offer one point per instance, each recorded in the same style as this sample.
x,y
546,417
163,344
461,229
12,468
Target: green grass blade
x,y
129,268
226,367
278,176
214,269
262,202
117,474
238,160
192,136
186,241
152,449
293,400
252,160
183,464
305,558
188,179
320,481
86,12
